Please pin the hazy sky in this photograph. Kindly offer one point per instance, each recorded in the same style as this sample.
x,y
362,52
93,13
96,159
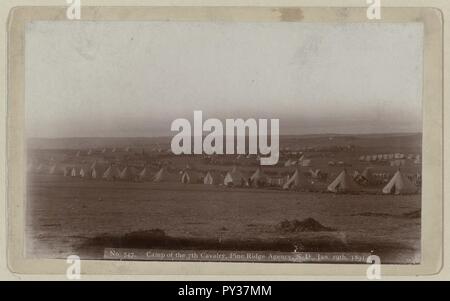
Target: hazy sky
x,y
134,78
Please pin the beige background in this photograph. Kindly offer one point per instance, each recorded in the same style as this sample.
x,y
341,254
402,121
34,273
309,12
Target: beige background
x,y
5,274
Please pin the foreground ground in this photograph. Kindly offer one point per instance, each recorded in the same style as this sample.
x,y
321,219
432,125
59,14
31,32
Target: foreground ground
x,y
66,215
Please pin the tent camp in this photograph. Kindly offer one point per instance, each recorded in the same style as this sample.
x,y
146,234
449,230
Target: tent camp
x,y
297,181
400,184
343,183
112,173
235,178
258,178
191,177
213,178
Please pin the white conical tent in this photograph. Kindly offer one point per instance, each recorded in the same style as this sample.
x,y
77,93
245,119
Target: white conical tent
x,y
190,177
208,179
343,183
185,177
297,181
164,176
93,173
84,173
258,178
160,175
213,178
146,174
112,173
234,178
143,175
73,172
399,184
129,174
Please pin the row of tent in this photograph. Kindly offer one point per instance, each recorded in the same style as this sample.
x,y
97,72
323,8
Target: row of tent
x,y
399,184
105,150
343,183
390,157
300,162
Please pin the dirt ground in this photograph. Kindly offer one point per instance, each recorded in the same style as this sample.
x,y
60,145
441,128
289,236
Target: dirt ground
x,y
66,213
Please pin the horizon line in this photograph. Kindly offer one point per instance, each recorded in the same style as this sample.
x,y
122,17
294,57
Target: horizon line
x,y
280,135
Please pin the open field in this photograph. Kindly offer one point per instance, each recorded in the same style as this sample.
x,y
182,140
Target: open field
x,y
64,213
67,214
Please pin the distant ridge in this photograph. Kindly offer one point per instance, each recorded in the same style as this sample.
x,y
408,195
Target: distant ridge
x,y
101,142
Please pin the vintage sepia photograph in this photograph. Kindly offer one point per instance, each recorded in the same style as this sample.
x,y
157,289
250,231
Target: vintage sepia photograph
x,y
220,141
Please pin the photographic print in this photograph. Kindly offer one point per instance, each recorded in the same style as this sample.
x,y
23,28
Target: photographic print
x,y
224,141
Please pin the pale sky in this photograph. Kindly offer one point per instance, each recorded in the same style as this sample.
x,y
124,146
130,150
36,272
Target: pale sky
x,y
94,79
